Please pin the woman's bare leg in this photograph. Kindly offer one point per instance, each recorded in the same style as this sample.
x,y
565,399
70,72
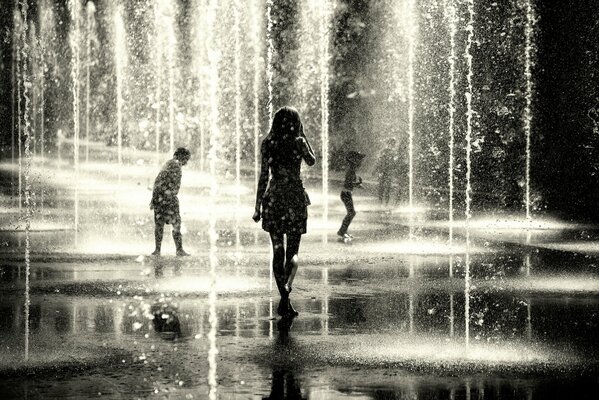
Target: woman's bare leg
x,y
291,258
278,261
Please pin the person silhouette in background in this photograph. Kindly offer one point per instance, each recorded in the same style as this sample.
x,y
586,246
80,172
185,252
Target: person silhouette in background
x,y
282,202
165,202
354,160
386,170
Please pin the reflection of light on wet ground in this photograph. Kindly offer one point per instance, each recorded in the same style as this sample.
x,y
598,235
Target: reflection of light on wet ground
x,y
36,226
373,349
201,284
417,247
585,247
413,210
566,284
103,246
517,224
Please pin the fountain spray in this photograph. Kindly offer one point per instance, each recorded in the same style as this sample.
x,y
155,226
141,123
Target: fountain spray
x,y
89,33
269,56
33,65
13,75
158,75
213,59
256,23
19,49
237,62
450,12
74,40
170,59
120,58
28,201
324,105
451,18
469,117
528,64
269,77
411,36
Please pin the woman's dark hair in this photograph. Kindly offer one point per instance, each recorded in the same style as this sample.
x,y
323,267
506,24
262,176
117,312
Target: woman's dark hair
x,y
286,122
280,142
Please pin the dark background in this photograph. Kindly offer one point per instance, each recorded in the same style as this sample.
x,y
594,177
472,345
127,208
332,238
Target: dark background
x,y
565,166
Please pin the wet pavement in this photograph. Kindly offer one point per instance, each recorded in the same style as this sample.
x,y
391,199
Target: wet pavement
x,y
398,313
511,325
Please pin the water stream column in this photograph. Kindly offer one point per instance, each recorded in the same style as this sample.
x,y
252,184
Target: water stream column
x,y
28,201
120,59
14,81
411,36
469,120
89,28
256,22
74,42
19,29
237,83
452,25
213,58
528,64
269,82
325,12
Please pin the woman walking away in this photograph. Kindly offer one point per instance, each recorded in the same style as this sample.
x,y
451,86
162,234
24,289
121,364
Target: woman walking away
x,y
354,160
282,202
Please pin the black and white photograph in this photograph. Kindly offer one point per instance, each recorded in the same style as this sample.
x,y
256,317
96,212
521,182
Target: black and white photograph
x,y
299,199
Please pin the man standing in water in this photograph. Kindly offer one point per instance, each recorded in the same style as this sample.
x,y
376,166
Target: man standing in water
x,y
165,202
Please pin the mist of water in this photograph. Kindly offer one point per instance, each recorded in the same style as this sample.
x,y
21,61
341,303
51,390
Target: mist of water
x,y
256,22
90,28
450,13
325,13
469,120
213,59
158,46
74,42
170,60
238,94
528,64
270,50
120,60
24,58
19,43
14,79
411,31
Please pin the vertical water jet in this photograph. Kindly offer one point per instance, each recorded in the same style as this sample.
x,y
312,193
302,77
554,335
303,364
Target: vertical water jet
x,y
158,45
256,22
14,99
411,38
469,121
528,64
120,59
26,172
324,105
19,67
213,59
269,82
170,60
450,12
74,42
237,84
269,57
90,25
